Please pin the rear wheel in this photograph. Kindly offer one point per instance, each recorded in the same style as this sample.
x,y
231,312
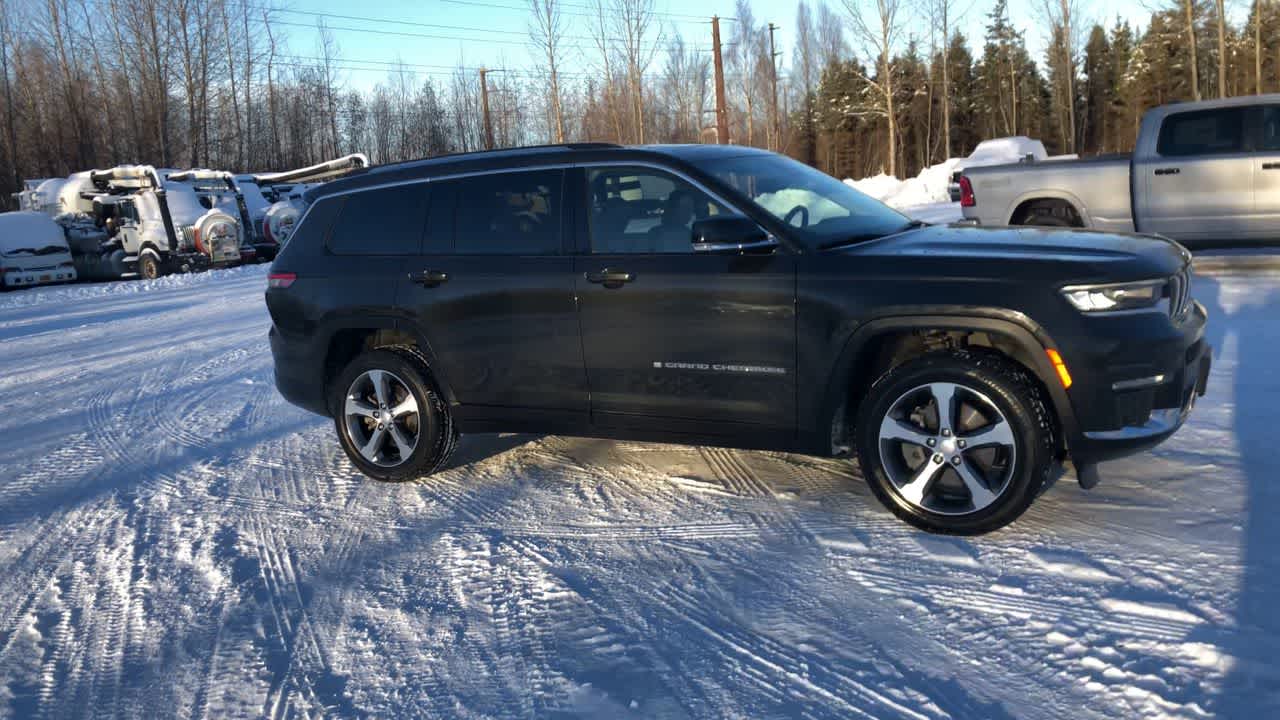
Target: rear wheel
x,y
1049,213
956,442
390,418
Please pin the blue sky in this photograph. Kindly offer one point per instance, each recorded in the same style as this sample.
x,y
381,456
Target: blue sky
x,y
432,36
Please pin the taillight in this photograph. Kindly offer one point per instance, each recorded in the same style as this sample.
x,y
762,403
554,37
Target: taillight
x,y
281,280
966,193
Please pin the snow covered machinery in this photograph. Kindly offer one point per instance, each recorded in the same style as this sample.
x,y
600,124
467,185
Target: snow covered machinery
x,y
278,219
127,221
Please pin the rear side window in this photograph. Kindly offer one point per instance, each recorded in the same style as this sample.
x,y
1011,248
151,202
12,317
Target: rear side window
x,y
310,233
1270,140
1205,132
515,213
386,221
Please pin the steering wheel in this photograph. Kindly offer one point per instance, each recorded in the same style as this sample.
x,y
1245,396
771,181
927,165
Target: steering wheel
x,y
800,210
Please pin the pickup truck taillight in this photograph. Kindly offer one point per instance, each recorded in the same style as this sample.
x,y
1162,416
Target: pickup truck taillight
x,y
966,193
281,280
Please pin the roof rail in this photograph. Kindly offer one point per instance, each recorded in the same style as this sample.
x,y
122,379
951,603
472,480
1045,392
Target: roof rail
x,y
513,148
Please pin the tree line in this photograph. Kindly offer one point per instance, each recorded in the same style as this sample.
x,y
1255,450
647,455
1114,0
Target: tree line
x,y
868,86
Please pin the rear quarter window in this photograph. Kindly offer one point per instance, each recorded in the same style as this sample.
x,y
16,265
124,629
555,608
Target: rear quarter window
x,y
308,237
383,221
1203,132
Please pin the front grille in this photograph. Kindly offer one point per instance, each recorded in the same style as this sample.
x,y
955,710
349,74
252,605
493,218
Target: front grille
x,y
1180,294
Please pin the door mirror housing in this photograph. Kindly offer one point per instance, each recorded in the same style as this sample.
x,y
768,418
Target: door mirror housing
x,y
731,234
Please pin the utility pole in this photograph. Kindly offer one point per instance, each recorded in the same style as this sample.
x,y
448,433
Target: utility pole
x,y
484,109
722,113
773,78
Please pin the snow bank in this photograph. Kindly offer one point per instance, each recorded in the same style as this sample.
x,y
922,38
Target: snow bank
x,y
929,187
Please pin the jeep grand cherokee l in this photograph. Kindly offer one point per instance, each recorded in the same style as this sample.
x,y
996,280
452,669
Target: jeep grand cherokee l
x,y
728,296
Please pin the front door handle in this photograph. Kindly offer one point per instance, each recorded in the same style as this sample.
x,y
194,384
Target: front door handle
x,y
1168,171
609,277
1271,166
430,278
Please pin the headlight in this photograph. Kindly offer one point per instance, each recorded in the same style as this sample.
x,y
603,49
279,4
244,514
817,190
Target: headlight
x,y
1116,297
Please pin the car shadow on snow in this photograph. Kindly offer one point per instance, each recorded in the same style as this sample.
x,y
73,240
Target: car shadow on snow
x,y
1252,686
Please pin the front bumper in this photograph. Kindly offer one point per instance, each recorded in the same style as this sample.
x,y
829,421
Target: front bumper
x,y
1138,387
40,276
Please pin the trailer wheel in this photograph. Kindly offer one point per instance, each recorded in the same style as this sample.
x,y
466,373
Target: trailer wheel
x,y
149,267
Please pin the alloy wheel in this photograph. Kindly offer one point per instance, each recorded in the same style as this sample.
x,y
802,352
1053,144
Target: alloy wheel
x,y
382,416
947,448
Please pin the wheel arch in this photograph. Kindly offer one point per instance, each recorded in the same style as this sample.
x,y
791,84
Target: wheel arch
x,y
348,338
877,345
1026,199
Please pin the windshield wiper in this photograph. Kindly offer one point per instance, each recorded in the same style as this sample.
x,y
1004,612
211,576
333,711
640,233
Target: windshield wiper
x,y
50,250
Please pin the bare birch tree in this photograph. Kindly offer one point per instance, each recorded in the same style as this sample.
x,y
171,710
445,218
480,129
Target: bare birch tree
x,y
877,25
634,19
546,31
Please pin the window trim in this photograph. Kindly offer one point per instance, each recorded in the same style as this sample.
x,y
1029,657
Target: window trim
x,y
1246,140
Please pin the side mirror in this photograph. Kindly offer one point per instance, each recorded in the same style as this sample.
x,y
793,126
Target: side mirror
x,y
731,235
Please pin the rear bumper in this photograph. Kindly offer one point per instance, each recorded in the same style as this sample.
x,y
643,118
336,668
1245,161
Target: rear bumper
x,y
1136,392
298,372
42,276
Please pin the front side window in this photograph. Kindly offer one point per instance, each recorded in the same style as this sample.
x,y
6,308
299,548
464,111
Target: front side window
x,y
515,213
383,221
821,210
1204,132
1270,140
644,211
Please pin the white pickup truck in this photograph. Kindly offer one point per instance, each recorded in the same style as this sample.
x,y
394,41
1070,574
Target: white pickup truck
x,y
1202,173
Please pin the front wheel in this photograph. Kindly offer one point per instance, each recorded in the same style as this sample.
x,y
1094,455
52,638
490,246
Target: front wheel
x,y
389,416
149,267
956,442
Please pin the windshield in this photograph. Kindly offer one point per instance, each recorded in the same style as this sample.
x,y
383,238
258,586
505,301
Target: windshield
x,y
823,211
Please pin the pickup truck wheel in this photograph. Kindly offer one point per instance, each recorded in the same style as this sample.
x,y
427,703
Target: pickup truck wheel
x,y
1046,220
390,418
956,442
149,267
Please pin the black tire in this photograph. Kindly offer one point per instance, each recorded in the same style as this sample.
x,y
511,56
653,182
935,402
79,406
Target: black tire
x,y
436,435
1046,220
1050,213
149,267
1012,391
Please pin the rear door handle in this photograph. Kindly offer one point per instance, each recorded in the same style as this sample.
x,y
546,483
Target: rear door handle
x,y
1168,171
1271,166
609,277
430,278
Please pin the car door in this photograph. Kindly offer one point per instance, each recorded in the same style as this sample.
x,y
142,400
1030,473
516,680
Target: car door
x,y
492,292
1266,174
675,340
1199,181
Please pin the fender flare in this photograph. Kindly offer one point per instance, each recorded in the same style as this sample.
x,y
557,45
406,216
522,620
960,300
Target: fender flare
x,y
1011,325
334,325
151,249
1049,194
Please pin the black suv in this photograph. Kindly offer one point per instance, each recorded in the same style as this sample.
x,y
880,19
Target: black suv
x,y
727,296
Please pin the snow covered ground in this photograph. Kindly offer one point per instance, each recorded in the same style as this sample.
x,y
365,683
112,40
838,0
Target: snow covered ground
x,y
175,540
